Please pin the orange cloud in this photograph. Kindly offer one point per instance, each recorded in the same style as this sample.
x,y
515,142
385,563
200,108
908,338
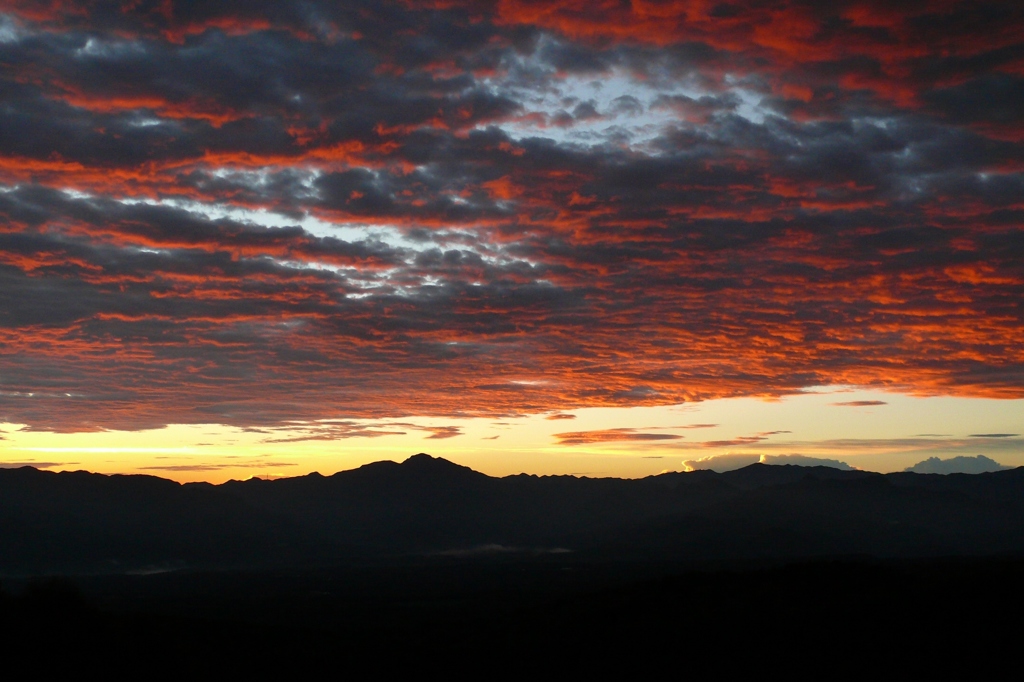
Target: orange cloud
x,y
609,436
842,205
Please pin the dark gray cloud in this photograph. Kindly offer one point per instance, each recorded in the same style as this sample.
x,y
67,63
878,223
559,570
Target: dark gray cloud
x,y
256,213
957,465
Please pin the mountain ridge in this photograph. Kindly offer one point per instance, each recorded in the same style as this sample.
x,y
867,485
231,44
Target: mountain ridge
x,y
85,522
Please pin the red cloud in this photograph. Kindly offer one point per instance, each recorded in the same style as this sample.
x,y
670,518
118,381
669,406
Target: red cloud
x,y
861,228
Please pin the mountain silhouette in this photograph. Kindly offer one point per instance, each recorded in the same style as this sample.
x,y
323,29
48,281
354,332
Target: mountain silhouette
x,y
93,523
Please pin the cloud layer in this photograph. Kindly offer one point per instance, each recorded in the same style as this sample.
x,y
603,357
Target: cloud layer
x,y
731,462
252,213
957,465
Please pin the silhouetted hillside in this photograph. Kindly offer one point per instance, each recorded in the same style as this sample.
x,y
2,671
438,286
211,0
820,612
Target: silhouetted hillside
x,y
517,618
81,522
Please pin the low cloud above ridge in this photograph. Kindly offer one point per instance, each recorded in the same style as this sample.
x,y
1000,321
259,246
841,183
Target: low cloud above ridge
x,y
957,465
731,462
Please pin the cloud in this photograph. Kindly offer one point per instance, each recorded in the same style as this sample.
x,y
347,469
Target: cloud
x,y
440,432
957,465
262,213
994,435
889,446
337,429
610,435
730,462
720,463
741,440
560,415
329,432
861,403
216,466
36,465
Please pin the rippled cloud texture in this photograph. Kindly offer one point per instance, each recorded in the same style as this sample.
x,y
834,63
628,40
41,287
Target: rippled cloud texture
x,y
255,212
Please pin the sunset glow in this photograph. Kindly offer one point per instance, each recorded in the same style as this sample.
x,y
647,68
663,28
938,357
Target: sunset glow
x,y
559,237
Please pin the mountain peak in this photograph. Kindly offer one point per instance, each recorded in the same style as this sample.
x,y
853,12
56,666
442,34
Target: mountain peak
x,y
422,457
422,460
422,464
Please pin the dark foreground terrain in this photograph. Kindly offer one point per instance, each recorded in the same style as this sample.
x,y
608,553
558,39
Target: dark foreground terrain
x,y
427,566
495,618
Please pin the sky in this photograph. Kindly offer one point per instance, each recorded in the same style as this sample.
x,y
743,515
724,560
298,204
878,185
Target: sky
x,y
561,237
